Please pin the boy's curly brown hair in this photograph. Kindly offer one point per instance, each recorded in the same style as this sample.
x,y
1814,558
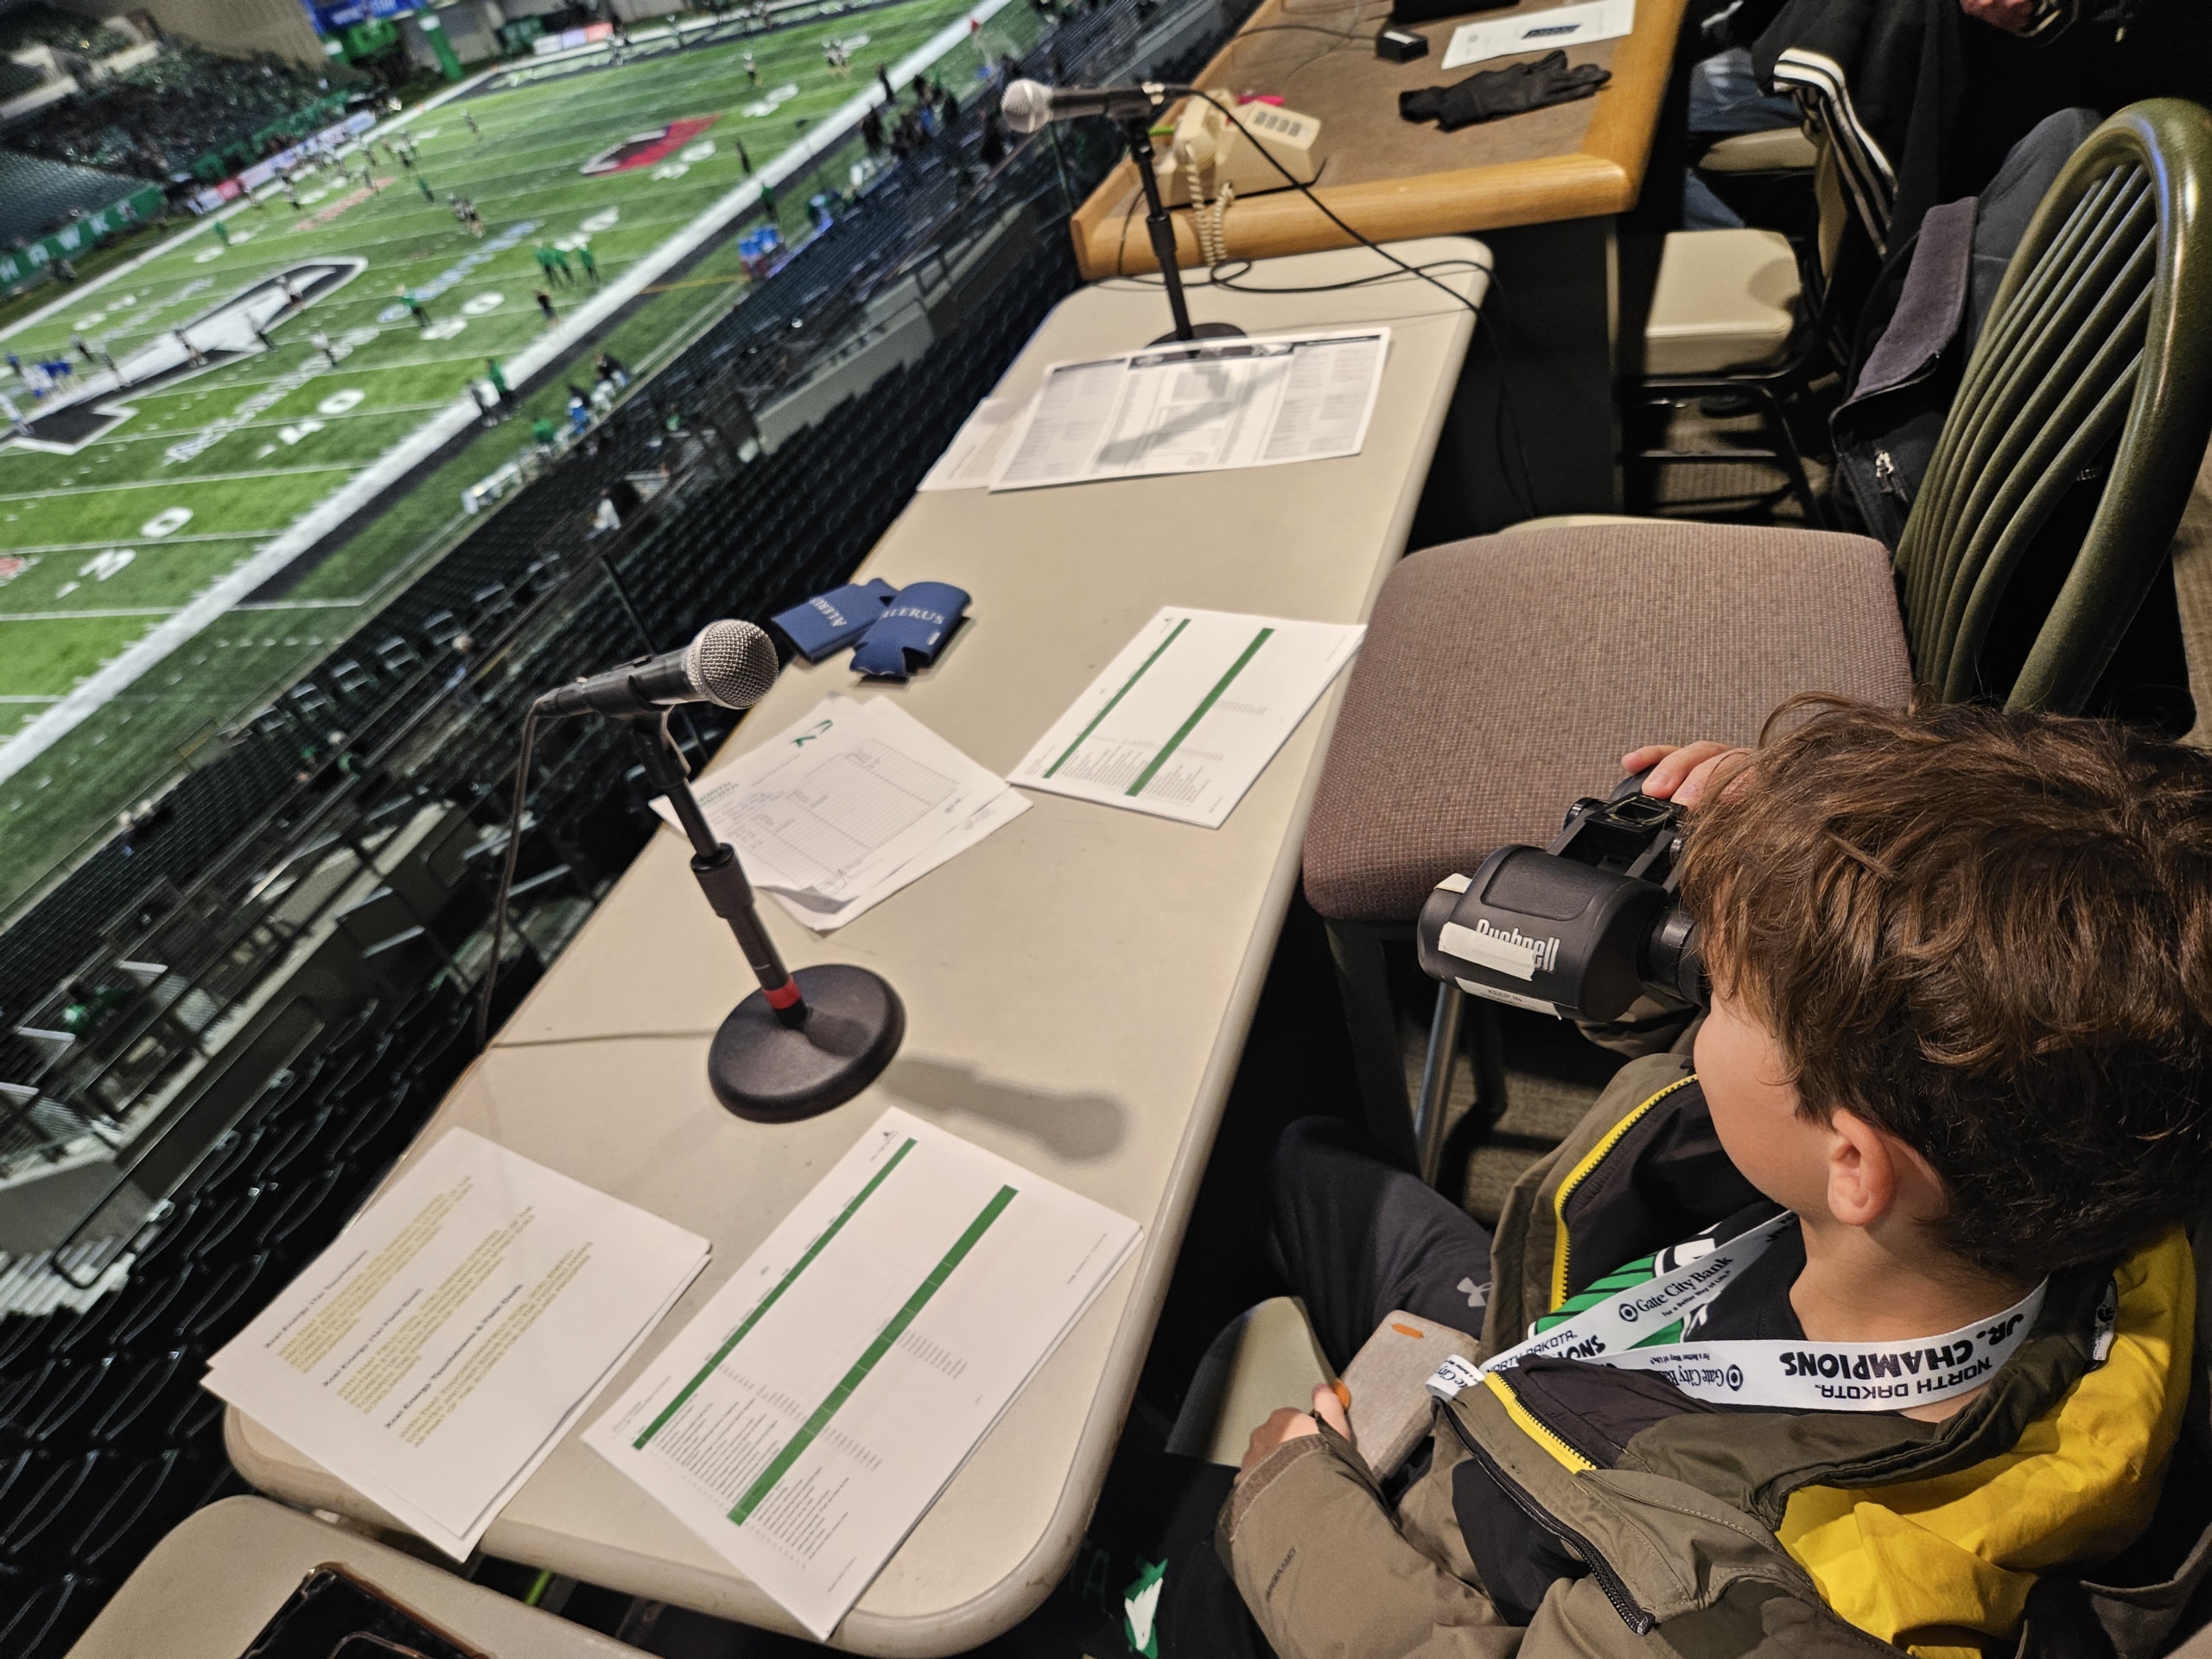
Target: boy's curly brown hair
x,y
1990,934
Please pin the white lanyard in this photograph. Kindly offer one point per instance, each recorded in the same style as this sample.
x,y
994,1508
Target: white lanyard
x,y
1804,1376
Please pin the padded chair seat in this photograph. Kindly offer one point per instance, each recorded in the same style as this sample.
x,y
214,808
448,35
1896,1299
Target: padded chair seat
x,y
1503,677
1781,149
1723,299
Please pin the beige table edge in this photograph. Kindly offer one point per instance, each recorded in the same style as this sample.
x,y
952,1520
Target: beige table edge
x,y
273,1466
221,1555
1603,177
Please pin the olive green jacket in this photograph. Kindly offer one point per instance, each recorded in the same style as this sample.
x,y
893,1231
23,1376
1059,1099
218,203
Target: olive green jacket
x,y
1675,1509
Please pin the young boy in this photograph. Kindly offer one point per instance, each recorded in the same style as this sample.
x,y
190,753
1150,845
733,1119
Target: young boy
x,y
1916,1208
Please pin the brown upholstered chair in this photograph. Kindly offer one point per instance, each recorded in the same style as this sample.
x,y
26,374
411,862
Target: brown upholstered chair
x,y
1502,677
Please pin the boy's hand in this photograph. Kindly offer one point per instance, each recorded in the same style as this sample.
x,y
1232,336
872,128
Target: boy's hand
x,y
2012,16
1287,1423
1687,772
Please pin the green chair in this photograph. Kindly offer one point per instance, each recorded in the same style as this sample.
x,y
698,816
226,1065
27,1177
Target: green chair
x,y
1503,676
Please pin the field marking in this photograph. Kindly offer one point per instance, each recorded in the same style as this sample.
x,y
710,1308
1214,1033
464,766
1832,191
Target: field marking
x,y
166,542
254,426
96,689
698,73
79,616
176,480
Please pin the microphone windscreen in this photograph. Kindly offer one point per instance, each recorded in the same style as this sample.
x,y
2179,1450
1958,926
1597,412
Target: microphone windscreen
x,y
732,663
1027,106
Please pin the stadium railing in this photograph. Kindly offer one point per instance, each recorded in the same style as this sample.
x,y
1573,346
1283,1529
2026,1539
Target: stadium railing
x,y
153,962
396,832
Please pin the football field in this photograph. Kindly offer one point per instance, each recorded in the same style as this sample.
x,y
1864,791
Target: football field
x,y
149,499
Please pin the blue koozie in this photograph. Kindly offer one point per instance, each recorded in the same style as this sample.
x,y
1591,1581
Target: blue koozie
x,y
833,621
913,631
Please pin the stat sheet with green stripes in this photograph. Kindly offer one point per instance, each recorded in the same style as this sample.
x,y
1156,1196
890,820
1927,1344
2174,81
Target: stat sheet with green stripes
x,y
1183,721
811,1412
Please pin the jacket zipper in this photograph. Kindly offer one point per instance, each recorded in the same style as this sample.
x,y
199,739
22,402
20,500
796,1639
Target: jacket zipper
x,y
1885,474
1632,1613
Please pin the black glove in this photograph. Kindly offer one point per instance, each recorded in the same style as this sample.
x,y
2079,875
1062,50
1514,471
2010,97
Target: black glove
x,y
1489,94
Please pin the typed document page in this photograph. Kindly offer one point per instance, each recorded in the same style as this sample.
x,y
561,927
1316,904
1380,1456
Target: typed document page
x,y
1206,406
1539,31
436,1352
1183,721
847,805
804,1421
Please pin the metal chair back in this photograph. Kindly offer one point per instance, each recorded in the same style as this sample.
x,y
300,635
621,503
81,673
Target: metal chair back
x,y
2099,345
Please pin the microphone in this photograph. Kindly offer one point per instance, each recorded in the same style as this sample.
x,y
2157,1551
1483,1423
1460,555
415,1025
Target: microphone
x,y
730,663
1028,105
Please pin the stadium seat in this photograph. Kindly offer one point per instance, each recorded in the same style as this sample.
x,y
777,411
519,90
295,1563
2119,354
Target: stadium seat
x,y
1429,706
149,1498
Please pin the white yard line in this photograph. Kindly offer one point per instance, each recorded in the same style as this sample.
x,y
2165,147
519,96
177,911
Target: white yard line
x,y
179,479
145,543
78,616
166,636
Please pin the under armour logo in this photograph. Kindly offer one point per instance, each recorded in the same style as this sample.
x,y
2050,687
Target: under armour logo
x,y
1477,1295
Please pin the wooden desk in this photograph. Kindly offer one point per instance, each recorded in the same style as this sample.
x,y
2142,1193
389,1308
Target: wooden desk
x,y
1391,178
1535,427
1041,1023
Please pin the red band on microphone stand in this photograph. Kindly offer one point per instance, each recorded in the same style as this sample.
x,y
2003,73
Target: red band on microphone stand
x,y
785,995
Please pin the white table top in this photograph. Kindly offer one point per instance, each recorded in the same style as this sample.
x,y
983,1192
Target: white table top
x,y
205,1590
1077,987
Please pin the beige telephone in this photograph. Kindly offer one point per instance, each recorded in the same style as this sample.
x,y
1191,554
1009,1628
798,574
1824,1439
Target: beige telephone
x,y
1206,156
1208,162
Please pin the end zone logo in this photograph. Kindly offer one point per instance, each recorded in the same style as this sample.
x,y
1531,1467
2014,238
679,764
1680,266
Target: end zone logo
x,y
644,148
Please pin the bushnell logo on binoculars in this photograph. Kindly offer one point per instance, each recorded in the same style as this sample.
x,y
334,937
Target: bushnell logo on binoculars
x,y
1579,929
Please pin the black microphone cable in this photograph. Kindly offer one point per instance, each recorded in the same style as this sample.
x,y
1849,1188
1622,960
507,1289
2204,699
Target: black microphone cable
x,y
506,877
1507,415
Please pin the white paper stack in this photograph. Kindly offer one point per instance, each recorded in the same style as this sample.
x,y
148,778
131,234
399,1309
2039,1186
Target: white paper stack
x,y
1196,406
852,802
433,1356
1183,721
803,1422
1539,31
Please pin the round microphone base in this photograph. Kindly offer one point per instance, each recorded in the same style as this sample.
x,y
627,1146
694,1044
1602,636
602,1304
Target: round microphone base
x,y
770,1072
1203,331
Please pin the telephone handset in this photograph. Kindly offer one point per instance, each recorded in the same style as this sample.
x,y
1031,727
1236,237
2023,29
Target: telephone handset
x,y
1206,156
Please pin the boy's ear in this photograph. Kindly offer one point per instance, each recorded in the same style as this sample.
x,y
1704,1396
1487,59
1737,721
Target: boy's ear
x,y
1862,1169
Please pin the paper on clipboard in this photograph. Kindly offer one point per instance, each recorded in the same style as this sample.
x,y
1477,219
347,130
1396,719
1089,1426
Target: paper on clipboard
x,y
1197,406
1539,31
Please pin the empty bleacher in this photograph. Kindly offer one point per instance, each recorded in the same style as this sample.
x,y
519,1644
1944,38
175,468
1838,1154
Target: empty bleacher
x,y
381,851
38,197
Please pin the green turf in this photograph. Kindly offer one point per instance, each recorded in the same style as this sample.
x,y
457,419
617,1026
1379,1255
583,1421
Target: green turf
x,y
74,514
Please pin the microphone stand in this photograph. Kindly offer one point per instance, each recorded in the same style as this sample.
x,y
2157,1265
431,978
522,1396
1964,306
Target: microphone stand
x,y
1161,229
803,1042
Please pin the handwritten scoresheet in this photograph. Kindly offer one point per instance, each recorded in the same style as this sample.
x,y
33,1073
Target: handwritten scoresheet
x,y
849,805
1183,721
1206,405
437,1351
808,1417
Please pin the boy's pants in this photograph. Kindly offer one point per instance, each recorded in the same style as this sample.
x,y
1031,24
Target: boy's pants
x,y
1355,1239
